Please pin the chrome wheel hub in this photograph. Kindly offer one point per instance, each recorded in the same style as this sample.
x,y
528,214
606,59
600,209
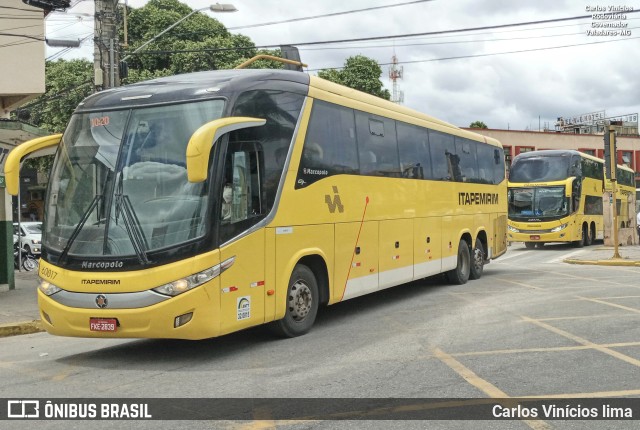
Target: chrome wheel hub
x,y
300,300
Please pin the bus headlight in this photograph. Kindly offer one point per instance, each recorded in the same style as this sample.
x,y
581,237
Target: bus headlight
x,y
185,284
558,228
48,288
513,229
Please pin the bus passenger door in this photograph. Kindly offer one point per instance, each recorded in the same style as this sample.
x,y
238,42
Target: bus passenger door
x,y
396,252
427,243
356,268
242,285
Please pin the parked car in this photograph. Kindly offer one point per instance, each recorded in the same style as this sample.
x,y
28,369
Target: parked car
x,y
30,236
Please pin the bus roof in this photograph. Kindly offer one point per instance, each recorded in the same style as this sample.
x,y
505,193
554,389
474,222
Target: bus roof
x,y
194,86
208,84
565,152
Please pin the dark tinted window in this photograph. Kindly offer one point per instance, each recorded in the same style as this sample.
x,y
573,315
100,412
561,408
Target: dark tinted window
x,y
490,164
377,146
466,152
281,110
330,144
624,177
444,161
592,169
413,145
593,205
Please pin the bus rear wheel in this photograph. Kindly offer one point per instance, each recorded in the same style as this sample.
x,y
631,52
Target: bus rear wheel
x,y
590,236
477,261
302,304
460,275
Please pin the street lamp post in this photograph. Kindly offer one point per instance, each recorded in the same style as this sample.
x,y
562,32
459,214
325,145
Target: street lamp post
x,y
222,8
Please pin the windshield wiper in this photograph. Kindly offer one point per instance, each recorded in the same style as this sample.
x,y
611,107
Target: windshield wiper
x,y
131,222
76,230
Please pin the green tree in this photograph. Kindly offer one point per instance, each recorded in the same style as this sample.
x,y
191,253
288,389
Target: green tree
x,y
67,83
478,124
198,43
360,73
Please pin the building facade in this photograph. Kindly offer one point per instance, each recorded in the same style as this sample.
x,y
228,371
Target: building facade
x,y
516,142
22,78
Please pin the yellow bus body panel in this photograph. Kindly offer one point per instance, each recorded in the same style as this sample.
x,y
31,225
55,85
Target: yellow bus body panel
x,y
155,321
369,232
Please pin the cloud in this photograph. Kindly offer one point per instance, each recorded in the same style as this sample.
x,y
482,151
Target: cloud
x,y
511,90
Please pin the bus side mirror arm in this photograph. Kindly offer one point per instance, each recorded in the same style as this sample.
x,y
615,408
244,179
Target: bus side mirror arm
x,y
202,141
32,148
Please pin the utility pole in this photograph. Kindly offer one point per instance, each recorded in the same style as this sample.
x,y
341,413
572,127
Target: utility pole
x,y
106,51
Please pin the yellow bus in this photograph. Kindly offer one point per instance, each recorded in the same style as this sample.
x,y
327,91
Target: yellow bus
x,y
556,196
198,205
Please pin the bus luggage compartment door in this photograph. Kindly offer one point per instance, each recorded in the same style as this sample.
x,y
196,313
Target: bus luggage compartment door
x,y
356,271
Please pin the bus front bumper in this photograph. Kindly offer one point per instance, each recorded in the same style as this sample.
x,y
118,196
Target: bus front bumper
x,y
162,320
561,236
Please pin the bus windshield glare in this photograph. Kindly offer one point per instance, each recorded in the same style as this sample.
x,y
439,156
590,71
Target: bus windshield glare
x,y
540,169
539,202
120,185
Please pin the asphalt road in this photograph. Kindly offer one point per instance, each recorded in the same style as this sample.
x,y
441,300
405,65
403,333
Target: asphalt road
x,y
531,326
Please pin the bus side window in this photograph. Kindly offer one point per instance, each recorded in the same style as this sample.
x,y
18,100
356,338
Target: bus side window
x,y
576,190
441,147
241,196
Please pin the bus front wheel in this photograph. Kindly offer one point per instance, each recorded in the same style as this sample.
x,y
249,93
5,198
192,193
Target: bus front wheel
x,y
302,304
477,261
460,275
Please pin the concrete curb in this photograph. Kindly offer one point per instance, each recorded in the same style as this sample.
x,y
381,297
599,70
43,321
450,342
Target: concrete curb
x,y
611,262
25,327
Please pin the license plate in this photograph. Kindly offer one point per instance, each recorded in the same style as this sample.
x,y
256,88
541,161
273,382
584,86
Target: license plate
x,y
534,237
103,324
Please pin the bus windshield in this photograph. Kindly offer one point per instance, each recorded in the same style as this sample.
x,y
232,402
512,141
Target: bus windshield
x,y
539,202
119,182
540,169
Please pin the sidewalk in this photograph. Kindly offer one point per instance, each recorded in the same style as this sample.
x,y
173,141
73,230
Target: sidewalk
x,y
600,255
19,308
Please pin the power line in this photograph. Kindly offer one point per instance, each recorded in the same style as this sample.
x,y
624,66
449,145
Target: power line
x,y
44,98
41,39
17,17
23,27
461,30
20,8
453,42
327,15
400,36
490,54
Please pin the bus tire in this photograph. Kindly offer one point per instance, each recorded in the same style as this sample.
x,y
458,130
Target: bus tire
x,y
588,239
477,260
530,245
302,304
460,275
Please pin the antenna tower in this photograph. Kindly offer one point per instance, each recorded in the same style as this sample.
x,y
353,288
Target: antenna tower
x,y
396,73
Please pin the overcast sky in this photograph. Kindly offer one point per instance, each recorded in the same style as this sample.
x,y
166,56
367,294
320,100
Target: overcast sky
x,y
518,91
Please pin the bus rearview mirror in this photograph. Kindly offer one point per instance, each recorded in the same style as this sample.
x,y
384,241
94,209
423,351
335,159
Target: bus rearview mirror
x,y
202,141
32,148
